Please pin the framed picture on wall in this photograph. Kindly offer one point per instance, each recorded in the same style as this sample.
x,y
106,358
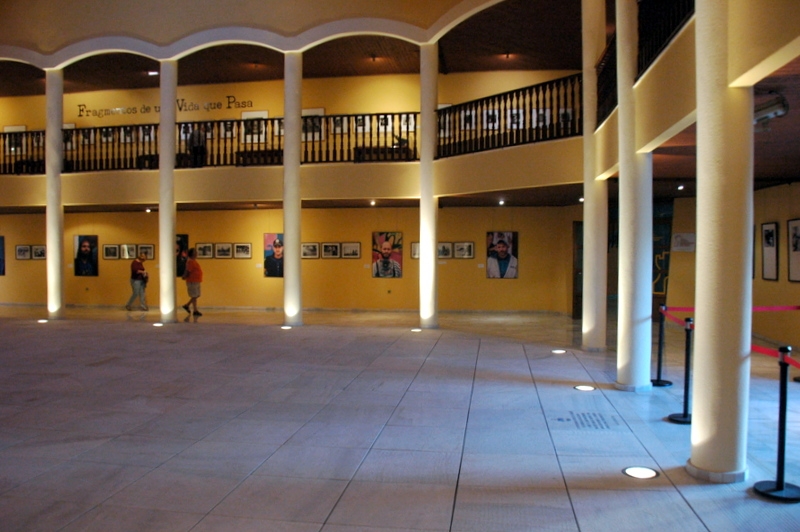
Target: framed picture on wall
x,y
502,248
110,251
444,250
387,254
793,231
39,252
331,250
351,250
769,251
127,251
309,250
242,250
149,251
205,250
223,250
464,250
23,252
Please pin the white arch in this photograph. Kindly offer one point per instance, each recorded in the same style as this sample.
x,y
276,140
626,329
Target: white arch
x,y
242,35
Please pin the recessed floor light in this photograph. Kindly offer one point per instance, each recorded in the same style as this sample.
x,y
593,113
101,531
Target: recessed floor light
x,y
286,327
158,324
416,330
584,388
558,351
640,472
42,321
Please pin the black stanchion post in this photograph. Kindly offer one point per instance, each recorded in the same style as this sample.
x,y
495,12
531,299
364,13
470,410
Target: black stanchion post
x,y
658,381
685,418
778,489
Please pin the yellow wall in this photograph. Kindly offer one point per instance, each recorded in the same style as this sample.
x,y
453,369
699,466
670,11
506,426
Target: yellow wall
x,y
776,204
545,255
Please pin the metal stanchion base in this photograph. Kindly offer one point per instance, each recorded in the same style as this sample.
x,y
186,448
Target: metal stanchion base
x,y
769,489
680,418
661,383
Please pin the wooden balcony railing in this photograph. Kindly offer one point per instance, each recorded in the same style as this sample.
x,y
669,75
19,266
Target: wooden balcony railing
x,y
659,22
546,111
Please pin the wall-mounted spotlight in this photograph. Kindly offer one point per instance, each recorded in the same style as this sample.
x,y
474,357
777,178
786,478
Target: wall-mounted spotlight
x,y
681,187
152,72
773,108
501,202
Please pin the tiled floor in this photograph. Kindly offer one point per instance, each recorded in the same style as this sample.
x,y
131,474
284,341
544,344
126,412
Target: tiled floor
x,y
353,423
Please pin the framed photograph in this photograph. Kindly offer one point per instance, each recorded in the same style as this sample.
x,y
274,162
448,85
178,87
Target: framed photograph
x,y
227,129
14,144
331,250
444,250
313,122
351,250
385,123
340,124
468,121
769,251
273,254
793,231
85,262
127,251
415,250
362,123
38,252
541,117
205,250
408,122
464,250
106,134
23,253
309,250
87,136
491,119
149,251
242,250
515,119
68,136
110,251
223,250
502,248
147,134
254,126
683,242
126,134
387,254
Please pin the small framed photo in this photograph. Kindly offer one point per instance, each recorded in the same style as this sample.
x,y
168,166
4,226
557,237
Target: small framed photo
x,y
794,250
38,252
491,119
127,251
464,250
415,250
23,252
110,251
362,123
769,251
444,250
242,250
223,250
331,250
515,118
340,124
149,251
467,120
205,250
309,250
351,250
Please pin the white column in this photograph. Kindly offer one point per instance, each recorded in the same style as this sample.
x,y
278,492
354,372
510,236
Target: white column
x,y
634,325
595,191
54,216
428,202
166,189
292,126
723,293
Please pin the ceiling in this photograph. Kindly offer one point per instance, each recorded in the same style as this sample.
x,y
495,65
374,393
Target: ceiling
x,y
512,35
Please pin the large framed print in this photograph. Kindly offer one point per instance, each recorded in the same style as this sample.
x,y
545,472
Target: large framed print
x,y
793,231
502,249
769,251
85,256
387,254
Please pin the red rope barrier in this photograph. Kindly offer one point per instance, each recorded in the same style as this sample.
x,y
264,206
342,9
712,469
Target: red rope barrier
x,y
774,353
771,309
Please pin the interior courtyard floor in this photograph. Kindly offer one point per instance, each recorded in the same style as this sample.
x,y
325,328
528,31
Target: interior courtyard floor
x,y
355,423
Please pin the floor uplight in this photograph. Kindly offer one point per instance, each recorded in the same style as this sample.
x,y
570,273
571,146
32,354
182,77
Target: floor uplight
x,y
158,324
584,388
416,330
42,321
558,351
286,327
640,472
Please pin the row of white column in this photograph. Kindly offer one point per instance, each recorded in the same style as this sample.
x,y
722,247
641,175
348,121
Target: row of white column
x,y
293,80
723,277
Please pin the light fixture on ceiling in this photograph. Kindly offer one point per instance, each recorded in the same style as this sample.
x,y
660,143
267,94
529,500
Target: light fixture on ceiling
x,y
152,72
681,187
772,108
501,202
581,200
372,203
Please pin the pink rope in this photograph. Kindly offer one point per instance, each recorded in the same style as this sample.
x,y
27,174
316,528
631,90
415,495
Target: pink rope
x,y
771,309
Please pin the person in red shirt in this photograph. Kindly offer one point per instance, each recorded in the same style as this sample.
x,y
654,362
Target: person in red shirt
x,y
193,275
138,282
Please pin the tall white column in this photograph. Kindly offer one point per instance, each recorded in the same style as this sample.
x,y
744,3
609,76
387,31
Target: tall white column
x,y
723,293
428,202
634,325
54,216
166,189
292,126
595,191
